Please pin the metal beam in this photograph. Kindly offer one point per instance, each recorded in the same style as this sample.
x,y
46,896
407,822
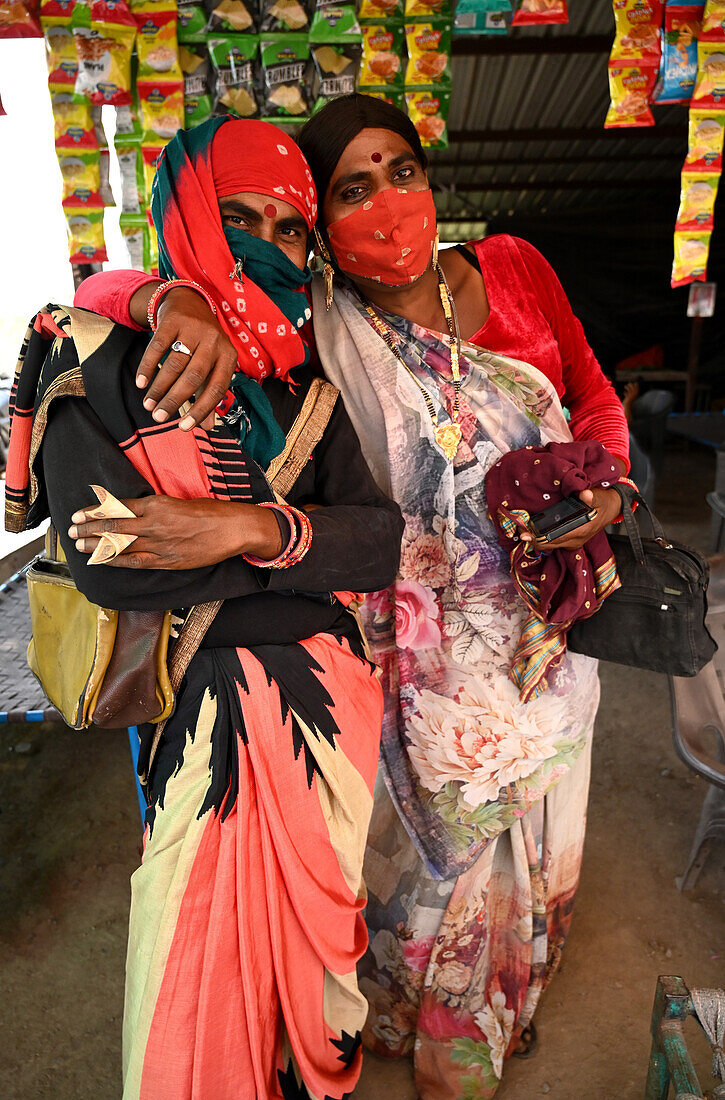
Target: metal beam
x,y
638,184
563,133
570,161
514,46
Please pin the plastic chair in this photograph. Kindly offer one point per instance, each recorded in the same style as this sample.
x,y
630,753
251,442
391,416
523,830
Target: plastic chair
x,y
698,726
670,1062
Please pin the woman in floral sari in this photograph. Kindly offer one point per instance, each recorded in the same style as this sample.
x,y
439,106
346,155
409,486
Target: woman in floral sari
x,y
475,846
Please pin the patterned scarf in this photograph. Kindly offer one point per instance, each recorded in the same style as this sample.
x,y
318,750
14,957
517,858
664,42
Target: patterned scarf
x,y
263,309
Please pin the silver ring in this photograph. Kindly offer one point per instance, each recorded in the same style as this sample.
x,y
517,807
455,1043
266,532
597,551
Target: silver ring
x,y
178,346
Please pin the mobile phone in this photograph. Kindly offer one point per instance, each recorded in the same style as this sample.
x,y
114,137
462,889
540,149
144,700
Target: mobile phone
x,y
560,518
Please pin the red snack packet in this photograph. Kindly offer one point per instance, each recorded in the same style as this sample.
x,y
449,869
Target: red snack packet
x,y
540,11
19,20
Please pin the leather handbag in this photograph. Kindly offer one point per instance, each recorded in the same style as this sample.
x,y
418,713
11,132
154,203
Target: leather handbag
x,y
97,666
656,620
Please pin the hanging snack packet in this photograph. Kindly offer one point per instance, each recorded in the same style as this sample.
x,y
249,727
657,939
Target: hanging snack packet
x,y
133,190
481,17
381,9
192,21
230,16
697,200
382,57
127,120
19,20
679,54
195,66
429,53
424,9
691,252
286,75
336,47
709,88
153,260
81,173
72,119
86,242
713,22
60,50
233,61
705,141
540,11
638,34
156,46
149,158
388,95
630,88
161,105
428,111
135,233
104,44
284,15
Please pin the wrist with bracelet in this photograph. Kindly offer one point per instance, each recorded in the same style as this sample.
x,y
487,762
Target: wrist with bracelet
x,y
627,481
299,542
164,288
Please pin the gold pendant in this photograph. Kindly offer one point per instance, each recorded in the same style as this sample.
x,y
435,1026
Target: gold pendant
x,y
448,436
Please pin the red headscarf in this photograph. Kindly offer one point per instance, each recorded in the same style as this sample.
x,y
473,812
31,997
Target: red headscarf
x,y
222,157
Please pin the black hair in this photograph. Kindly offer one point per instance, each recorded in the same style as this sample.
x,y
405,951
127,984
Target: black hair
x,y
325,137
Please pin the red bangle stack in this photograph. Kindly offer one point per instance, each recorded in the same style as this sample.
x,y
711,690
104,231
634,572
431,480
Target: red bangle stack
x,y
164,288
298,545
635,503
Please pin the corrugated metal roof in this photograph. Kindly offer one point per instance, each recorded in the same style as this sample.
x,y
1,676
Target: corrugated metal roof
x,y
558,92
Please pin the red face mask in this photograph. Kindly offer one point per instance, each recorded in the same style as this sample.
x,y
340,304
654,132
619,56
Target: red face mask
x,y
389,238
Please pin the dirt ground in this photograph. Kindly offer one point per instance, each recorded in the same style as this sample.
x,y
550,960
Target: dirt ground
x,y
69,835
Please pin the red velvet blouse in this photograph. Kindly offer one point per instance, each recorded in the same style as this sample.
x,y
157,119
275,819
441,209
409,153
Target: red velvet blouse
x,y
530,319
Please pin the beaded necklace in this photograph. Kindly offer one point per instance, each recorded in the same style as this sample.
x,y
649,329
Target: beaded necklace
x,y
447,436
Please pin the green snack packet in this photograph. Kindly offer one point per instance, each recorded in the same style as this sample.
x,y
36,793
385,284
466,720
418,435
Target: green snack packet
x,y
133,191
231,17
135,233
428,111
195,66
282,16
192,20
429,53
389,95
336,47
286,75
383,59
481,17
233,60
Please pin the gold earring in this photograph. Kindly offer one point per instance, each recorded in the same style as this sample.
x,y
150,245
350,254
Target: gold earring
x,y
328,272
435,250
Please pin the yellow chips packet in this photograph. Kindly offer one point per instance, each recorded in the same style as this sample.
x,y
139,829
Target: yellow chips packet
x,y
630,88
705,141
157,47
86,242
691,254
698,192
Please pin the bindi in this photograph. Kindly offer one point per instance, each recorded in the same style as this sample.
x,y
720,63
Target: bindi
x,y
376,157
270,210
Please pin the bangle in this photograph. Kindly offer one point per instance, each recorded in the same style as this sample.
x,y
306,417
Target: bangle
x,y
635,503
164,288
298,545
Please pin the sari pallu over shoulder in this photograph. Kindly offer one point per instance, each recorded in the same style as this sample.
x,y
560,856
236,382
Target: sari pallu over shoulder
x,y
462,756
246,921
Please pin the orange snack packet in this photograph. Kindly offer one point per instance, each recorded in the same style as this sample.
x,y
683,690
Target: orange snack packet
x,y
530,12
638,34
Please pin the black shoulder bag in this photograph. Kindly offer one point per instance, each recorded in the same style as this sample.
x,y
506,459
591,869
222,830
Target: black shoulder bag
x,y
656,620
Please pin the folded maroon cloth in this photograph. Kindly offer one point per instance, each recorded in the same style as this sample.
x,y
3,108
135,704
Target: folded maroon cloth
x,y
558,586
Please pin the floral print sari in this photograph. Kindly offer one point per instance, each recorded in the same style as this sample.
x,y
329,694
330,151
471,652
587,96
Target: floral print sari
x,y
475,844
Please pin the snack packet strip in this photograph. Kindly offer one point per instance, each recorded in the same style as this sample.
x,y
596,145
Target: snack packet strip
x,y
679,54
135,233
429,54
73,122
104,44
80,171
19,19
530,12
286,73
336,48
195,65
233,59
709,90
156,45
427,9
706,130
60,50
133,189
691,254
428,111
382,10
192,21
86,242
713,21
231,17
638,34
282,16
161,107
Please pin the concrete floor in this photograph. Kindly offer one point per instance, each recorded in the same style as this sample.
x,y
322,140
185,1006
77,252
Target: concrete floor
x,y
69,830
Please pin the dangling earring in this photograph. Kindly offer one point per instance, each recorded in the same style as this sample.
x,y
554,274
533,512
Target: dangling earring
x,y
435,250
237,271
328,271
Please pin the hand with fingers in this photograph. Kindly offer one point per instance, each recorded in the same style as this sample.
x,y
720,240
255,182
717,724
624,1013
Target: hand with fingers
x,y
201,359
608,505
180,534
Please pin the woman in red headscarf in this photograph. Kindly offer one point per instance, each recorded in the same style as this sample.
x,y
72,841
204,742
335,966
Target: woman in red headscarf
x,y
246,922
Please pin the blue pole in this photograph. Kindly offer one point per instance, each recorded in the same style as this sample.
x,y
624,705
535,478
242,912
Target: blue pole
x,y
134,741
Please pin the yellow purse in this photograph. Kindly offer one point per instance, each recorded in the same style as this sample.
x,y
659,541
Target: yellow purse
x,y
97,666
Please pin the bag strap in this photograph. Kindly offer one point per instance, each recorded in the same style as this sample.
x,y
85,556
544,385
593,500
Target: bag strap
x,y
627,495
304,435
